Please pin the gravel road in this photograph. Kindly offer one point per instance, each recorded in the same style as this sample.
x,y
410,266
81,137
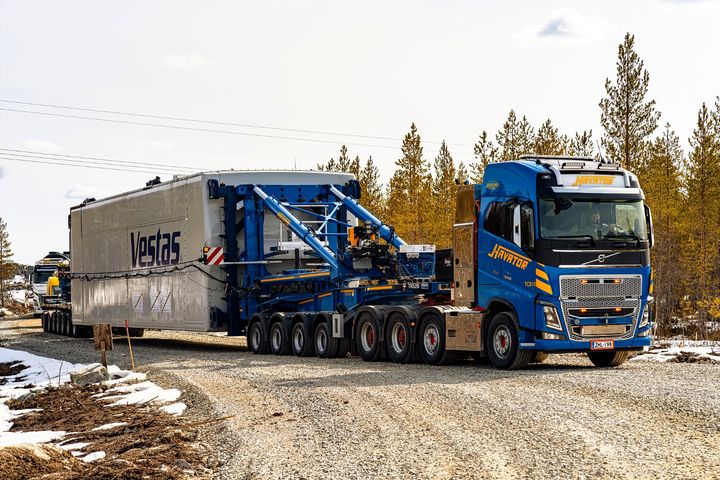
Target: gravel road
x,y
311,418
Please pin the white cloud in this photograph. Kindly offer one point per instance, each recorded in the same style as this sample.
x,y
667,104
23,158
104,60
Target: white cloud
x,y
161,145
43,146
191,61
81,192
564,24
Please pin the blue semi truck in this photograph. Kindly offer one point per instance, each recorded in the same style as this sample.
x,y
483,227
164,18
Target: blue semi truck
x,y
549,255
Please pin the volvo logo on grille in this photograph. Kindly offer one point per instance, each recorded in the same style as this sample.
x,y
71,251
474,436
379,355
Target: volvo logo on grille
x,y
601,258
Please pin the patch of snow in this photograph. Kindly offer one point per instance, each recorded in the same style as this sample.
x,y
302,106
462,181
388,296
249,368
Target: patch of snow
x,y
683,348
118,376
91,457
174,408
15,438
18,295
108,426
40,371
74,446
141,393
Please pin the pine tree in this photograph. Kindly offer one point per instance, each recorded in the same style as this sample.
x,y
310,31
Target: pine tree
x,y
343,163
409,191
485,154
462,174
627,117
703,189
662,183
548,141
7,268
371,189
582,144
355,167
516,137
443,195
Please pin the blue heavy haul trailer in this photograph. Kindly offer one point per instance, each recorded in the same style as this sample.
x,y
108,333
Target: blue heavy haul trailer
x,y
549,255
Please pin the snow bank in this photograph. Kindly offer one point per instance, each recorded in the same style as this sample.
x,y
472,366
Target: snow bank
x,y
685,353
42,372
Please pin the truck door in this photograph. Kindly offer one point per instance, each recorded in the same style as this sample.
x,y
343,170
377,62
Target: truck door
x,y
501,257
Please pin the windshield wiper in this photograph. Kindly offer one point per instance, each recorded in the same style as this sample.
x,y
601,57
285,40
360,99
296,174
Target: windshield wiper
x,y
574,237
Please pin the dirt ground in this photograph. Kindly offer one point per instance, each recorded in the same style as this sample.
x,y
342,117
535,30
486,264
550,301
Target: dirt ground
x,y
345,418
151,444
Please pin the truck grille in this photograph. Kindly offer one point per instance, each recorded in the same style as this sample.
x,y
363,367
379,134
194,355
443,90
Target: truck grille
x,y
600,291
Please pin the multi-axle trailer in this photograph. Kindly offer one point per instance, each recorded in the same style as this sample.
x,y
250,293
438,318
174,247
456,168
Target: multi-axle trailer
x,y
293,261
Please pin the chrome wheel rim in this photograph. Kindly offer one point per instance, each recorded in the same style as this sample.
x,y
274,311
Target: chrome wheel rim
x,y
298,339
367,336
431,339
502,342
321,341
398,337
276,338
255,338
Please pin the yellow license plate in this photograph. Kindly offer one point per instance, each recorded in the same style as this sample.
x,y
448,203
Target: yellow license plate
x,y
602,344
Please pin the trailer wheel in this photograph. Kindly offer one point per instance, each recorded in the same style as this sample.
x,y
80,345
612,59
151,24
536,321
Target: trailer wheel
x,y
43,322
278,344
256,339
325,345
367,337
302,345
609,359
53,322
343,347
432,341
503,344
399,345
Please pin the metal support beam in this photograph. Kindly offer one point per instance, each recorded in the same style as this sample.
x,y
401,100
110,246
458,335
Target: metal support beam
x,y
299,228
231,256
386,232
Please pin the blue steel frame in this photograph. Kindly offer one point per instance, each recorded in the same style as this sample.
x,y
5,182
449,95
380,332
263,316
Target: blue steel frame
x,y
325,288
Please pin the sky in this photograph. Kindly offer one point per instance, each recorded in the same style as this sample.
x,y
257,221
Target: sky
x,y
371,68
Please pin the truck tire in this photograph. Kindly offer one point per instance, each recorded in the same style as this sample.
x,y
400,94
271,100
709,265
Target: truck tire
x,y
367,337
503,344
538,357
257,343
325,345
432,340
300,340
65,318
43,322
136,332
278,341
343,347
53,322
609,359
397,338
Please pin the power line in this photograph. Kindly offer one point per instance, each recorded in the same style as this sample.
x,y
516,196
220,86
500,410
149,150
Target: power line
x,y
196,129
96,160
231,124
59,163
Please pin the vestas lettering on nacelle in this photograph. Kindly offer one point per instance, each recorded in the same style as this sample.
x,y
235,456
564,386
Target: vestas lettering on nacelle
x,y
157,249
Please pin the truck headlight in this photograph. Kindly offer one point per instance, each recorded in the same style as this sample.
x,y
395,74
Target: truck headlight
x,y
552,319
647,313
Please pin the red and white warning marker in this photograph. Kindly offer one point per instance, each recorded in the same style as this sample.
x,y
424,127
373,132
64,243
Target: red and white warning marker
x,y
214,255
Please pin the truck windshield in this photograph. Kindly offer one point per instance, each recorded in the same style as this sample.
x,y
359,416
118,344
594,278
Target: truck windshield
x,y
41,276
599,220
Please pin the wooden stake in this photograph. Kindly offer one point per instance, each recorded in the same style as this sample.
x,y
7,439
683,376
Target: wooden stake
x,y
132,358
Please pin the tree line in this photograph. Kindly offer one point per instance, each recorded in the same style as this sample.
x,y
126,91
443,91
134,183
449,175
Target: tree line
x,y
682,187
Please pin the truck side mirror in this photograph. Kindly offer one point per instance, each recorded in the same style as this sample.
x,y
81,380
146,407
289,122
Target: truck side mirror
x,y
517,237
524,227
648,220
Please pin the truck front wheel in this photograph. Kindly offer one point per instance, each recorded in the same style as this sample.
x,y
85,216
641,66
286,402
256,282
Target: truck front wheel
x,y
609,359
503,344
